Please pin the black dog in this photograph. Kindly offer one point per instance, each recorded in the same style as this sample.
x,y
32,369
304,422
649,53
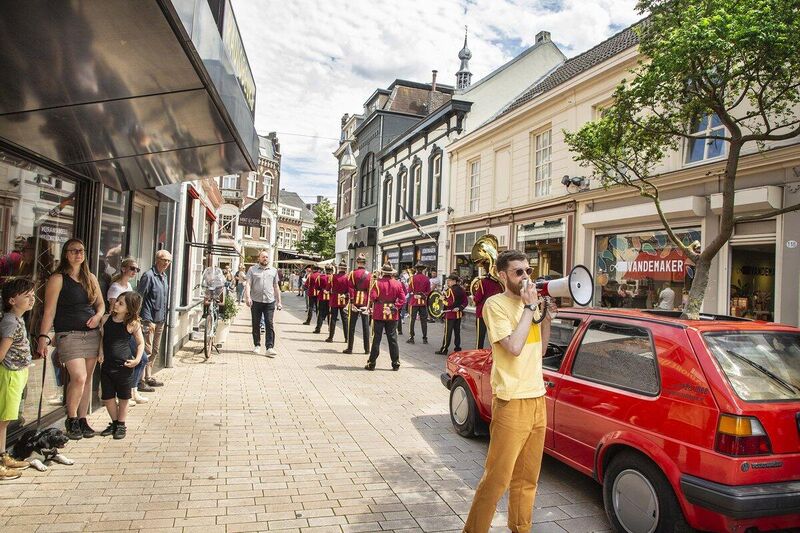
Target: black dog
x,y
45,443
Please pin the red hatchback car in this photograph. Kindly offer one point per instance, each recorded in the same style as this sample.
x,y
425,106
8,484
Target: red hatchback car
x,y
687,424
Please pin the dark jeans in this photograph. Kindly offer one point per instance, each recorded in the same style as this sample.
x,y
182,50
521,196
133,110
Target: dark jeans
x,y
335,313
258,311
138,372
452,327
481,327
422,311
378,327
312,308
322,313
353,319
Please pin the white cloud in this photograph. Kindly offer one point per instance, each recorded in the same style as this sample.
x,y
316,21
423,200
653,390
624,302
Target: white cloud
x,y
313,61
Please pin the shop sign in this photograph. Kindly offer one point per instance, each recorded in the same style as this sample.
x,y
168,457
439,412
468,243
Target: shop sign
x,y
428,254
53,232
392,256
407,254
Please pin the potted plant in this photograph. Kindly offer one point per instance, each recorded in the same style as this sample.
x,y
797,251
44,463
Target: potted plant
x,y
226,313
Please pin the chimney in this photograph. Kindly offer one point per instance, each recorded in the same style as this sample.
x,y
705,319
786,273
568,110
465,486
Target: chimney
x,y
433,82
542,37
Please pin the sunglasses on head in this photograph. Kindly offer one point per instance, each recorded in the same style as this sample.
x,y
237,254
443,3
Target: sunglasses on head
x,y
520,271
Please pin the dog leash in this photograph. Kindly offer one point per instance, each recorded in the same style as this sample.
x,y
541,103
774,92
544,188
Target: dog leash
x,y
41,391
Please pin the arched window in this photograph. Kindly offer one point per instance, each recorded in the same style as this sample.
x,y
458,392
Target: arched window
x,y
388,195
367,181
435,179
415,200
402,193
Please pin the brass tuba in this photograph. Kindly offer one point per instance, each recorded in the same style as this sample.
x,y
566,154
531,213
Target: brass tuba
x,y
484,251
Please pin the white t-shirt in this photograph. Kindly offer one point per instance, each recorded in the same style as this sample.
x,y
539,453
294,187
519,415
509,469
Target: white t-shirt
x,y
666,300
116,289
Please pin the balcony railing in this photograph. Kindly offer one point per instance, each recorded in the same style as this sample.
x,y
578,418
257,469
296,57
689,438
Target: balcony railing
x,y
232,194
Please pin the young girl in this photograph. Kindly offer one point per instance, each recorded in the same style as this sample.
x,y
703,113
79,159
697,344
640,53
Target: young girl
x,y
116,373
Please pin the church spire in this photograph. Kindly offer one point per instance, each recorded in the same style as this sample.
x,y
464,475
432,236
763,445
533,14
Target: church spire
x,y
464,76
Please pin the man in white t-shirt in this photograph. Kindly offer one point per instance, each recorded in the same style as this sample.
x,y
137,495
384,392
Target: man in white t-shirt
x,y
666,299
262,293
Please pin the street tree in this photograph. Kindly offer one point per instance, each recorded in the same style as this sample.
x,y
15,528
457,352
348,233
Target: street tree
x,y
320,239
704,62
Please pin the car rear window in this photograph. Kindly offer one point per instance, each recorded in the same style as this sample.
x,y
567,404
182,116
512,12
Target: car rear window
x,y
760,365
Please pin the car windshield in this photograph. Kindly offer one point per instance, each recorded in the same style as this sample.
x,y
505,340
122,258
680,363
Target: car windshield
x,y
760,365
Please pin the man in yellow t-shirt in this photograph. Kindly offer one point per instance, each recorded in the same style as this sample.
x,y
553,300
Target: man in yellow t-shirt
x,y
519,417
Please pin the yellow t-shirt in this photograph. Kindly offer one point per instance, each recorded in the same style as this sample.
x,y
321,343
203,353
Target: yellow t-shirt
x,y
513,377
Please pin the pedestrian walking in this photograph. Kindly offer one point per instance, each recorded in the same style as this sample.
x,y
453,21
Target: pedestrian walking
x,y
74,306
358,283
311,293
386,297
324,286
120,284
519,416
241,279
154,288
119,329
420,287
263,295
340,294
455,301
485,288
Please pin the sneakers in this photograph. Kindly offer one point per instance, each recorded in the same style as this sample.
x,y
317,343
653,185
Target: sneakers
x,y
8,473
259,350
138,398
440,352
86,430
272,352
109,430
410,340
72,429
6,461
120,431
153,382
144,387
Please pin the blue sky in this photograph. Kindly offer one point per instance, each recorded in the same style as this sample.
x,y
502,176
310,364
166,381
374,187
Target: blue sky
x,y
313,61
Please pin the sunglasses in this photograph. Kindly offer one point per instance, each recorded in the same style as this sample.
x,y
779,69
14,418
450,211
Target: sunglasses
x,y
76,251
134,269
520,271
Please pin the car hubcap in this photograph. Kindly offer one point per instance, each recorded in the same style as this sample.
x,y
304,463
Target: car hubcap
x,y
459,406
635,502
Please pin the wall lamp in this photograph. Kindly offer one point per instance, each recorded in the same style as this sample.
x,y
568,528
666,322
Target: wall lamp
x,y
575,183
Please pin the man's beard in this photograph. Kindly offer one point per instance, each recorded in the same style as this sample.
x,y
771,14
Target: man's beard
x,y
515,288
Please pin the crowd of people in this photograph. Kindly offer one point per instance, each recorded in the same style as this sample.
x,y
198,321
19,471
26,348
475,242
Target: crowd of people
x,y
120,330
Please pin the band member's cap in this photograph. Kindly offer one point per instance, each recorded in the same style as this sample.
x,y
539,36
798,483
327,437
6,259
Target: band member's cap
x,y
329,268
420,266
342,265
361,258
387,269
454,277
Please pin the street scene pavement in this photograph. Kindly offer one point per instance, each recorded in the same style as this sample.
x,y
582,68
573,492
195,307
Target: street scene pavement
x,y
306,441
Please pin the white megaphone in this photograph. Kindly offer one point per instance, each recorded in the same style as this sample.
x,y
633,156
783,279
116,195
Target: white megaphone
x,y
579,286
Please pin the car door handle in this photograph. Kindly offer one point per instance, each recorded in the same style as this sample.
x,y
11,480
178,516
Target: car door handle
x,y
549,384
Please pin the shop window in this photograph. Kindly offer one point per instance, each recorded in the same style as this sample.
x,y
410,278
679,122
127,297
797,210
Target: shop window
x,y
543,243
474,185
705,148
618,355
37,216
542,165
643,270
113,246
752,291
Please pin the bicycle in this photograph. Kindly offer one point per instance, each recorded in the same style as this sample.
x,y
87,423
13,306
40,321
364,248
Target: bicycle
x,y
214,293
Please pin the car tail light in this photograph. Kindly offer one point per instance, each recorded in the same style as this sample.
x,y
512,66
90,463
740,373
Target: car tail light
x,y
741,435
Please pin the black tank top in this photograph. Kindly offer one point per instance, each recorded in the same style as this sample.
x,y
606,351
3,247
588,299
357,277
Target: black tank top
x,y
73,309
116,343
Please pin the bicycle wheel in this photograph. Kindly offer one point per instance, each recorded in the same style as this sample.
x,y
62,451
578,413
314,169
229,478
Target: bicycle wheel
x,y
208,335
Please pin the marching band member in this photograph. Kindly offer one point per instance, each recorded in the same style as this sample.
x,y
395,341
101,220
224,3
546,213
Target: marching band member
x,y
358,286
386,298
340,294
311,291
485,287
324,282
420,287
455,302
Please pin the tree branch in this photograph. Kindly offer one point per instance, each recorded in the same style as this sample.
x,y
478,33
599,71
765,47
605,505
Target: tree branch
x,y
767,137
770,214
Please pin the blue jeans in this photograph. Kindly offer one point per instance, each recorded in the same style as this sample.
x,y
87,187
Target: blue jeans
x,y
139,370
240,292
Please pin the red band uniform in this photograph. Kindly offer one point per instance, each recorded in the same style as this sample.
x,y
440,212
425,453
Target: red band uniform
x,y
420,287
358,287
311,292
386,298
486,287
455,298
340,295
324,283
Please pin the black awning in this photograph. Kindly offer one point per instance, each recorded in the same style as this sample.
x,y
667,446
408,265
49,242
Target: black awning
x,y
225,250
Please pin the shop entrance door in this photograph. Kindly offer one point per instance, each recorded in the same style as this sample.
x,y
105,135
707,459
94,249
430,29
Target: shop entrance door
x,y
752,281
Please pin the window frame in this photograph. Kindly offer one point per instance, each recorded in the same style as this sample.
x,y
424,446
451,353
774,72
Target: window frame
x,y
587,328
474,185
539,179
388,195
367,181
252,185
416,192
705,135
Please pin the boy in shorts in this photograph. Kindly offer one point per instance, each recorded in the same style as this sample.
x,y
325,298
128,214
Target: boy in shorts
x,y
15,357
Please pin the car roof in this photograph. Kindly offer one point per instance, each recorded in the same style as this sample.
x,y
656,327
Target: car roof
x,y
707,322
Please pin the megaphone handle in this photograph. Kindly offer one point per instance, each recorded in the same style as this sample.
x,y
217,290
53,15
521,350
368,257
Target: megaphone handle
x,y
542,305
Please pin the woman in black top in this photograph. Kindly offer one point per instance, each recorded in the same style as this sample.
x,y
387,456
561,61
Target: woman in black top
x,y
73,306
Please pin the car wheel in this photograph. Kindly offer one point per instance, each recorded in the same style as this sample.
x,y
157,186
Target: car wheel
x,y
639,499
462,409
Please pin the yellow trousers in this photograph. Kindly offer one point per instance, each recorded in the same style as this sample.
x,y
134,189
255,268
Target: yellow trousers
x,y
513,463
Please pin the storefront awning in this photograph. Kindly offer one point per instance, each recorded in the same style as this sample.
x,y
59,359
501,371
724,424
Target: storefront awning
x,y
132,94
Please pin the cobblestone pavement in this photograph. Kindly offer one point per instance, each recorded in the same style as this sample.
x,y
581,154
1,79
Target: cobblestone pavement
x,y
307,441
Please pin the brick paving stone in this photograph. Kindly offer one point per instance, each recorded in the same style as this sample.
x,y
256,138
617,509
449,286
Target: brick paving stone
x,y
306,441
